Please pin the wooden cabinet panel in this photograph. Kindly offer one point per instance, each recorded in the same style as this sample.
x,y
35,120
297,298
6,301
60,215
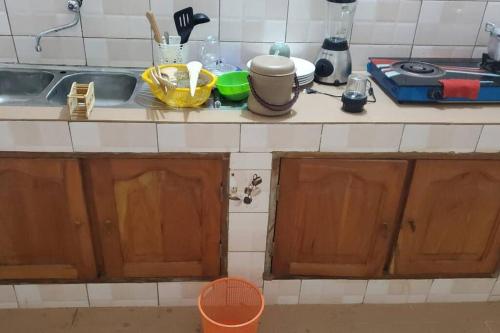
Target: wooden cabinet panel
x,y
452,219
336,217
44,229
158,217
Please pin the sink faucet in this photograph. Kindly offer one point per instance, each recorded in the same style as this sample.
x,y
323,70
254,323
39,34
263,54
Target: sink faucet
x,y
74,6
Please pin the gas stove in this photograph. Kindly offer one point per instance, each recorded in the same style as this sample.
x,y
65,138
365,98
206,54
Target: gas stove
x,y
438,80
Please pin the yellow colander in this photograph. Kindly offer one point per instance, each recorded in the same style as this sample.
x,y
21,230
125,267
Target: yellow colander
x,y
181,97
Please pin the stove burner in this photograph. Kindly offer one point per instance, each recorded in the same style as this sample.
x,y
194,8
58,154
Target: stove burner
x,y
418,69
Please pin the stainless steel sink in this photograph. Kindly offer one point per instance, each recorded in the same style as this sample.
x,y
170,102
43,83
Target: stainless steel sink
x,y
21,85
35,85
111,89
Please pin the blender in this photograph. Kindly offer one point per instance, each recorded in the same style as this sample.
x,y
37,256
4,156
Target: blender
x,y
333,65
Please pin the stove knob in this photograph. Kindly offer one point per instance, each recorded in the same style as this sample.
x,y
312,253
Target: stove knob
x,y
324,68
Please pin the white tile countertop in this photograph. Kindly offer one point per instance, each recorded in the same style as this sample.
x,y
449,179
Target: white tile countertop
x,y
310,109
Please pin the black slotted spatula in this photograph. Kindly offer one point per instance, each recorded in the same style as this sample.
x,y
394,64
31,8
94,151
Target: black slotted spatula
x,y
185,20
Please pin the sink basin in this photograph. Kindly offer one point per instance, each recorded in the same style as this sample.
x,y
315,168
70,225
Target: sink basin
x,y
18,86
111,89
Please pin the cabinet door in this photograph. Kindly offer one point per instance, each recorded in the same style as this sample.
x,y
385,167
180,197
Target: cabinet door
x,y
336,217
158,217
452,219
44,229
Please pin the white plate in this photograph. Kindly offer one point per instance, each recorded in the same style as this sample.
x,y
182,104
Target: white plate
x,y
303,67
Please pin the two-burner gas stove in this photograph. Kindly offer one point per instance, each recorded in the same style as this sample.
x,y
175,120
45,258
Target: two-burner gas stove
x,y
438,80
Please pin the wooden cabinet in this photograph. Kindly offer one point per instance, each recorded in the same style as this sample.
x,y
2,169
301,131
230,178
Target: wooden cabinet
x,y
44,229
158,217
336,217
451,223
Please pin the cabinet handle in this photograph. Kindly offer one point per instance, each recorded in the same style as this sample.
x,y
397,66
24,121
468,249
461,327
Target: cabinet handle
x,y
413,226
77,223
107,223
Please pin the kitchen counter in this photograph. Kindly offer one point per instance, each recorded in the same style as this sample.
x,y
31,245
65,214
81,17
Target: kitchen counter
x,y
310,109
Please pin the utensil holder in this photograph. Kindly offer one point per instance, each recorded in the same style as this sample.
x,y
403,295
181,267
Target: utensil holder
x,y
172,54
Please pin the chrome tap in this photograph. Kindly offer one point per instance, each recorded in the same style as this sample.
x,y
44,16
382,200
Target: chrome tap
x,y
74,6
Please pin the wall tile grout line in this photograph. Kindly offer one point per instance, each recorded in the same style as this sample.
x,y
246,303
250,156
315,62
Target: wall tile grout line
x,y
479,138
401,139
416,27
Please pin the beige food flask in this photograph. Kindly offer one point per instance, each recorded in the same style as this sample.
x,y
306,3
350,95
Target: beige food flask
x,y
273,84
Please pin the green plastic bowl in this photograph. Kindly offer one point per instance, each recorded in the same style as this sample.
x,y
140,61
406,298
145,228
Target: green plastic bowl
x,y
234,85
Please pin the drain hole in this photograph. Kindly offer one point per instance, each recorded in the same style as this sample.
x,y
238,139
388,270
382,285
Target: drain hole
x,y
62,72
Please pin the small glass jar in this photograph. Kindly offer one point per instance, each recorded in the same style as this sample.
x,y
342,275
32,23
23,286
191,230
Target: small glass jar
x,y
355,95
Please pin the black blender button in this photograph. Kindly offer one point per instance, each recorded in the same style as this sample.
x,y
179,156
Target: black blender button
x,y
324,68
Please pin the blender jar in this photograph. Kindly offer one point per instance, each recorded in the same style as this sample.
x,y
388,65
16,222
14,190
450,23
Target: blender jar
x,y
340,15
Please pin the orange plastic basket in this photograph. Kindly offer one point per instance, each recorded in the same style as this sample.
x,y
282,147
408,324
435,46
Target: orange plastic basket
x,y
230,305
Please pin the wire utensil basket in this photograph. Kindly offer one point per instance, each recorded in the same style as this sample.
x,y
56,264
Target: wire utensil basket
x,y
172,53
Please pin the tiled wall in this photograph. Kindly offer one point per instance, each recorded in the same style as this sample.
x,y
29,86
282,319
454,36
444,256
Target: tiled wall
x,y
251,147
115,32
275,292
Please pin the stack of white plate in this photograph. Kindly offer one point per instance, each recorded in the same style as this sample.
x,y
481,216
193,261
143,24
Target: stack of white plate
x,y
304,69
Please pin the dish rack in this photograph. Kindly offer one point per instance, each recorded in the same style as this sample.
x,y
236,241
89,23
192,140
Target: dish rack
x,y
172,53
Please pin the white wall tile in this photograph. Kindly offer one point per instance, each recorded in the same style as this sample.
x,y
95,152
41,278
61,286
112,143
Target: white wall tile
x,y
4,20
7,50
248,231
198,137
248,265
361,52
118,52
123,294
8,298
282,292
52,296
164,11
492,14
39,136
397,291
253,21
440,138
55,51
115,18
306,21
307,51
248,161
361,137
332,291
268,138
449,22
260,197
489,142
385,22
460,290
114,137
179,293
28,17
442,51
478,51
239,54
496,288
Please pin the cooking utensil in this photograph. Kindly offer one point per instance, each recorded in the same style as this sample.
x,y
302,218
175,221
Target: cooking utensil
x,y
494,42
185,20
194,68
234,85
166,35
154,26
